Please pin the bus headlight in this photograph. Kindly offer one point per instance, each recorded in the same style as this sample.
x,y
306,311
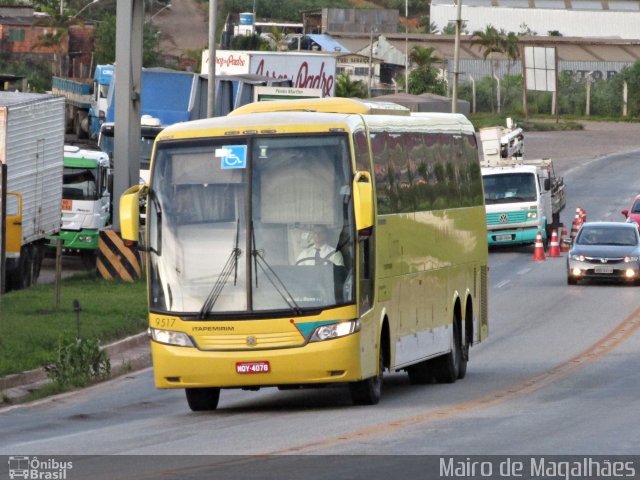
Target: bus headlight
x,y
169,337
335,330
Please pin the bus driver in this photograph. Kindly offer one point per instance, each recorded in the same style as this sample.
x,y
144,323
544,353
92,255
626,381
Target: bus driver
x,y
320,253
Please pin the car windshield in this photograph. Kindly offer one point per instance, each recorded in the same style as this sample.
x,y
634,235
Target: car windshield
x,y
607,236
636,207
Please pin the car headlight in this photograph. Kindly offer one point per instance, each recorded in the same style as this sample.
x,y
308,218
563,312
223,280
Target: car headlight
x,y
169,337
631,259
579,258
335,330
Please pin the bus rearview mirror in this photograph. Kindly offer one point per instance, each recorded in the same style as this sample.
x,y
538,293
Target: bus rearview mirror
x,y
363,203
130,213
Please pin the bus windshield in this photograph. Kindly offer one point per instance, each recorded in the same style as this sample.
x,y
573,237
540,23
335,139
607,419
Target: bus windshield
x,y
251,225
80,184
509,188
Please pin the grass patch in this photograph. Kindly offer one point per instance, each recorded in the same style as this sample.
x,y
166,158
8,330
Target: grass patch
x,y
31,327
541,124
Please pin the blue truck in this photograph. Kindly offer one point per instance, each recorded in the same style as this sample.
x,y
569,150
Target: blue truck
x,y
86,101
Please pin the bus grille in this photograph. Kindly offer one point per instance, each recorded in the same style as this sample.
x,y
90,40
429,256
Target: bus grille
x,y
260,341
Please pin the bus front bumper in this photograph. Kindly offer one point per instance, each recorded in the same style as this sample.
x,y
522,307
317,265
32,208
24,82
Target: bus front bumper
x,y
329,361
76,240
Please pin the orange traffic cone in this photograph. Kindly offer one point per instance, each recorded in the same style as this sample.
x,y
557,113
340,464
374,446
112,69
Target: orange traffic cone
x,y
583,216
564,240
554,246
538,251
575,226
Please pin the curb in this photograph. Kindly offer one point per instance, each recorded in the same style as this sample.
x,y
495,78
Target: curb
x,y
136,359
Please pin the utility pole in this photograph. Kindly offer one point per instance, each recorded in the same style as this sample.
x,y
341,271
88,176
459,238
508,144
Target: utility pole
x,y
406,46
456,56
129,23
211,81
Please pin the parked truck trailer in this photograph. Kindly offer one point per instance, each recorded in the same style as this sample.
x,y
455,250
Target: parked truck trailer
x,y
31,147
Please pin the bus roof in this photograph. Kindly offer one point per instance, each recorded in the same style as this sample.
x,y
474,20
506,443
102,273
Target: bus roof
x,y
81,158
325,105
317,115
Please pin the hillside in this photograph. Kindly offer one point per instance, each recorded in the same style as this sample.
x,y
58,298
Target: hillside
x,y
184,28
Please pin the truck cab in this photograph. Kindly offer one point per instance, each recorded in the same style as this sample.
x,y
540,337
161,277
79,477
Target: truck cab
x,y
522,196
102,79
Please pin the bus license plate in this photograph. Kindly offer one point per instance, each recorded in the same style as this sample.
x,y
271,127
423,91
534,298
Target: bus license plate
x,y
253,367
503,238
603,269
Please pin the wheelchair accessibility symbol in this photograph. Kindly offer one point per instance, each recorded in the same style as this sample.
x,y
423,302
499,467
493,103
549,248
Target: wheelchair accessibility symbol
x,y
232,156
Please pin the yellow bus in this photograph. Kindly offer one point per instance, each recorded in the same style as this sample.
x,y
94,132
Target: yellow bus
x,y
304,243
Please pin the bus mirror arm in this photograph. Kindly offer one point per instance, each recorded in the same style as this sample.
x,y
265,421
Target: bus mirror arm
x,y
363,200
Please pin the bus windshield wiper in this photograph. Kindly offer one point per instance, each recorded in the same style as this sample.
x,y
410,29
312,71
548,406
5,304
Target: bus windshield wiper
x,y
230,266
273,277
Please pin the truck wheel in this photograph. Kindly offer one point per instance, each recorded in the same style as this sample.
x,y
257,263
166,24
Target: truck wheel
x,y
39,252
23,274
78,130
202,399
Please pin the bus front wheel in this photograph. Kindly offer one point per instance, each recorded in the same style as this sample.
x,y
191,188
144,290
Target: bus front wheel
x,y
201,399
368,391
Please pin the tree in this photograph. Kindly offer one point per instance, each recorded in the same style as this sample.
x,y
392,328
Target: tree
x,y
450,29
345,87
424,78
105,43
491,41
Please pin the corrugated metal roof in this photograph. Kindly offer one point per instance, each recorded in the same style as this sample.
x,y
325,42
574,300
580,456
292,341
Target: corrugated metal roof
x,y
327,43
569,48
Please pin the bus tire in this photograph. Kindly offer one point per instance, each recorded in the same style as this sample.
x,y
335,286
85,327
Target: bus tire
x,y
88,259
421,373
368,391
202,399
447,367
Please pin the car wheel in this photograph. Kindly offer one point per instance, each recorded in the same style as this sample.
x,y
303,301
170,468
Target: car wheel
x,y
571,280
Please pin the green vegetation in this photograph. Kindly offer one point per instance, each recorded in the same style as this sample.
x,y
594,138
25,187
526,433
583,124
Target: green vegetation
x,y
32,329
539,123
78,362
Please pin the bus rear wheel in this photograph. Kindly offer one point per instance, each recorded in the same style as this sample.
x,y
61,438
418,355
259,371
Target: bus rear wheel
x,y
421,373
448,367
202,399
368,391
